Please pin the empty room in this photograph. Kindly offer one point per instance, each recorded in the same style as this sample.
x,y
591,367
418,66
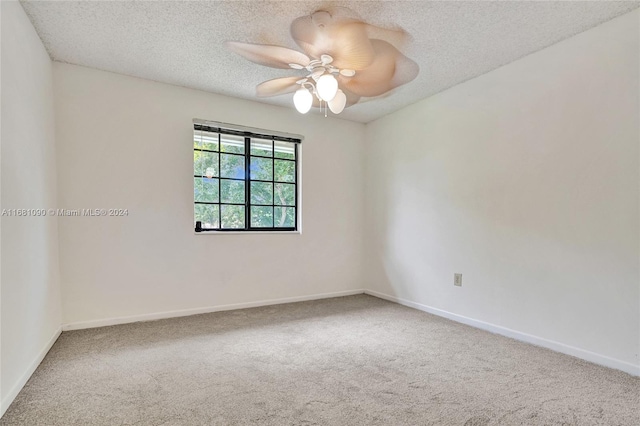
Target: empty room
x,y
319,213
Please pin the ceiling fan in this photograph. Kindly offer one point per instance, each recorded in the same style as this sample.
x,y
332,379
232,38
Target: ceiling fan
x,y
345,59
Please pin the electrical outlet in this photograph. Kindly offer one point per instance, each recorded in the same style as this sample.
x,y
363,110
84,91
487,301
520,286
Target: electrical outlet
x,y
457,280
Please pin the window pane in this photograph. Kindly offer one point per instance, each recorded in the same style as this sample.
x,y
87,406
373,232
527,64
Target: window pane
x,y
232,191
205,164
232,216
205,140
232,166
261,193
262,217
261,147
205,190
285,194
285,171
261,168
284,217
232,143
208,215
284,150
197,144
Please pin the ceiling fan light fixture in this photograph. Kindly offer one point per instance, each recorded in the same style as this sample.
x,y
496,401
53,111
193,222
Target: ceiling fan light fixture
x,y
337,104
361,59
303,99
327,87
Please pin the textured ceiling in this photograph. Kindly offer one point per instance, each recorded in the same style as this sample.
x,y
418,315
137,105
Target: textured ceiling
x,y
182,42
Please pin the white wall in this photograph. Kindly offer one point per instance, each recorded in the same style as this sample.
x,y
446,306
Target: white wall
x,y
30,291
125,142
526,181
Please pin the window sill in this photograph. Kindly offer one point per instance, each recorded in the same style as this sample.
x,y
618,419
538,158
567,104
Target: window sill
x,y
247,232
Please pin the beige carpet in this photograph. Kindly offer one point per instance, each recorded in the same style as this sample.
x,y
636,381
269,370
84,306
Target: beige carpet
x,y
353,360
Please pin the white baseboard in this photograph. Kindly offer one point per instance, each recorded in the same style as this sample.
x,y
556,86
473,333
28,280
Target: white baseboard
x,y
15,390
524,337
204,310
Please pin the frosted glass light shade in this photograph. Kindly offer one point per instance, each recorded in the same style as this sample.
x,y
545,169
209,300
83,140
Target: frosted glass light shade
x,y
327,87
336,105
303,99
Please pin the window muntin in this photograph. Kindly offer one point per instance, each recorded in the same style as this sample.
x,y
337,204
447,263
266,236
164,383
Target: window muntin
x,y
244,181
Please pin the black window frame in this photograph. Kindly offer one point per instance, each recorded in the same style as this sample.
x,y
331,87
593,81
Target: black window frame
x,y
248,136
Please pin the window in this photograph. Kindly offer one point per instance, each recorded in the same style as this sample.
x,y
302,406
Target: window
x,y
244,179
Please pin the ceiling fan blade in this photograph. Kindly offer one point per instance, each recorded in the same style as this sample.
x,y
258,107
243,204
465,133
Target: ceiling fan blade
x,y
277,86
389,69
351,46
406,70
352,98
345,39
397,37
268,55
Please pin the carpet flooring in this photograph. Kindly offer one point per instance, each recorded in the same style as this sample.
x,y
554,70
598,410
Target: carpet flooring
x,y
354,360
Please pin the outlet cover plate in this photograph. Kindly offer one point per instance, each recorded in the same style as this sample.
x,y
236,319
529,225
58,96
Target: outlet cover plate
x,y
457,280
